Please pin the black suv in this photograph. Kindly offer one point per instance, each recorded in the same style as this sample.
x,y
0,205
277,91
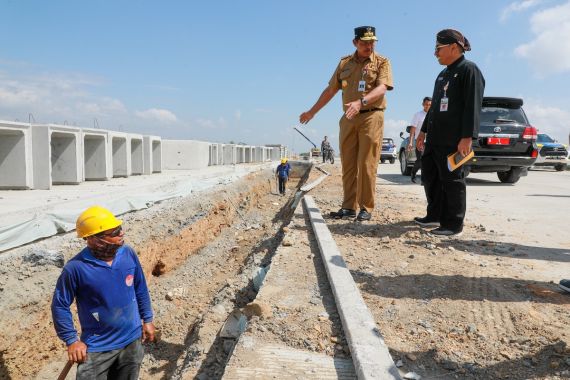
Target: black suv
x,y
506,143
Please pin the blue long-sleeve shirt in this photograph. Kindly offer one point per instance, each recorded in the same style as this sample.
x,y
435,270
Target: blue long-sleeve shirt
x,y
111,300
283,170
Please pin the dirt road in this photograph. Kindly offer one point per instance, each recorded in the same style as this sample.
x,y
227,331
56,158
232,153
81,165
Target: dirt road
x,y
484,305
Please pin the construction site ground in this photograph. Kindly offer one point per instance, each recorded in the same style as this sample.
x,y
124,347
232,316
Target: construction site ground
x,y
482,306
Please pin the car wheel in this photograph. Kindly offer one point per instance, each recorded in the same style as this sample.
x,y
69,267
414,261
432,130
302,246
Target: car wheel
x,y
559,167
382,160
392,160
511,176
404,164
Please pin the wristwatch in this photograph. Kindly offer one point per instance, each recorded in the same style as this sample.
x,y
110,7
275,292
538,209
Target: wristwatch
x,y
364,102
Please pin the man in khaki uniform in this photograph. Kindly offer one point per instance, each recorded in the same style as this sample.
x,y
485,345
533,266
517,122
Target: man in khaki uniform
x,y
364,78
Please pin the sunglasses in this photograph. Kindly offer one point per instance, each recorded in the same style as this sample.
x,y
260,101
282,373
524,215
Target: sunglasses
x,y
113,233
441,46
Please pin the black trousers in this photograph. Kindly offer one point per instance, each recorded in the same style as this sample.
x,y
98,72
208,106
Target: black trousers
x,y
282,183
418,163
445,191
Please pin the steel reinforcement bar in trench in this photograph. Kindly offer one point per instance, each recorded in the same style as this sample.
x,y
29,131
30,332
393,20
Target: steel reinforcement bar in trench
x,y
369,352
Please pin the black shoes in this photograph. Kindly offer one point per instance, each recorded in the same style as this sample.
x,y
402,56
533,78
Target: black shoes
x,y
413,178
442,231
363,216
425,222
343,213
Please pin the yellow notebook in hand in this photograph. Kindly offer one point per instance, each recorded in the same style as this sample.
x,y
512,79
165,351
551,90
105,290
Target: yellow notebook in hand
x,y
455,160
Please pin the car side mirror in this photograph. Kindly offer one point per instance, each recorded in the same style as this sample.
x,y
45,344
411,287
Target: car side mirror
x,y
401,135
408,128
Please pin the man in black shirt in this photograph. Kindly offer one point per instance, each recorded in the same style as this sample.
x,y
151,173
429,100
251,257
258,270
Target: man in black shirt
x,y
450,125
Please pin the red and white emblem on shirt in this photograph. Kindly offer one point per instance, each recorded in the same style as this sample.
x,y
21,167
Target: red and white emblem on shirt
x,y
129,280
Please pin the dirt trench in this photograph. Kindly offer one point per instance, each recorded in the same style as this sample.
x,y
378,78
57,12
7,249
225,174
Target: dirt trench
x,y
199,253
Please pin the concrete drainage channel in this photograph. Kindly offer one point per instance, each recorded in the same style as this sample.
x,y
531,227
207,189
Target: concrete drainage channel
x,y
205,257
213,329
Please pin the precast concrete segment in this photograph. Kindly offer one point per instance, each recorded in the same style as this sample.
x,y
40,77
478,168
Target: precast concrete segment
x,y
185,154
96,158
313,184
119,155
16,164
152,149
135,147
277,361
369,352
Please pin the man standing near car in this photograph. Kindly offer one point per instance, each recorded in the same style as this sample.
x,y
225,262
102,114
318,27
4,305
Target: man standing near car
x,y
415,129
450,125
364,78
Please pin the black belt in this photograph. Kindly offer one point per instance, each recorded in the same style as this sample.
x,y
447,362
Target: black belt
x,y
371,109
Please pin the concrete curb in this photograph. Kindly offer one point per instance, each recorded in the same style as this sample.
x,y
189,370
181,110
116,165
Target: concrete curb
x,y
369,352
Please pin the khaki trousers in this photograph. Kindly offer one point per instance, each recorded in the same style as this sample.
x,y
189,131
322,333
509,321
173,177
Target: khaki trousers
x,y
360,146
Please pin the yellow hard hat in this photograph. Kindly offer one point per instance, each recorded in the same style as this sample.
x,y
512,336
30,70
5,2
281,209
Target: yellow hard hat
x,y
284,160
94,220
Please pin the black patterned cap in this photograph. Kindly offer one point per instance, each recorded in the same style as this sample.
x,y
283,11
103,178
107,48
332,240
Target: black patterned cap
x,y
452,36
365,33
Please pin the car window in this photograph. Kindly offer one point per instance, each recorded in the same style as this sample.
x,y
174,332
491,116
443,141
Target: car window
x,y
496,114
542,138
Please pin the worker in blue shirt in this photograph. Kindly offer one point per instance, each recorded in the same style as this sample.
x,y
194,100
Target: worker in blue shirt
x,y
282,174
113,303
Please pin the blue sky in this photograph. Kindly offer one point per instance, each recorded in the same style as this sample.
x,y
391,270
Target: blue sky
x,y
243,71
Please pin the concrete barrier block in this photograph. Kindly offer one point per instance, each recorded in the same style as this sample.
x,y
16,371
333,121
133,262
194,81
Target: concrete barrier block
x,y
152,148
136,152
258,154
96,158
249,154
229,153
185,154
57,155
16,165
119,154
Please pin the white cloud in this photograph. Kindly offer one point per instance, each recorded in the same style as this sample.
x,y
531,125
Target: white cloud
x,y
157,114
550,120
212,124
238,115
517,6
549,51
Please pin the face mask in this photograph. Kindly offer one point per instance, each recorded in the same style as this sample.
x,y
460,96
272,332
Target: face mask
x,y
102,249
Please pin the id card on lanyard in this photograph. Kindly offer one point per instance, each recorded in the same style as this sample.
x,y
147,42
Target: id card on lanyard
x,y
444,104
362,82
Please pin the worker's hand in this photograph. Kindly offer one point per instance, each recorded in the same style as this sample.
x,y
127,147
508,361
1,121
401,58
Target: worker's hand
x,y
464,146
77,352
306,117
420,141
148,332
410,146
352,109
